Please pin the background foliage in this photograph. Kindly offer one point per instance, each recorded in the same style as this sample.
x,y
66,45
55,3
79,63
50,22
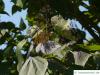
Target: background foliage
x,y
49,49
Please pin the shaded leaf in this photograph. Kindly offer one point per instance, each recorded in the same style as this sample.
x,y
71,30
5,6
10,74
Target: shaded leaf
x,y
1,6
20,37
22,24
8,51
4,38
15,9
4,68
4,12
14,1
96,57
34,66
7,25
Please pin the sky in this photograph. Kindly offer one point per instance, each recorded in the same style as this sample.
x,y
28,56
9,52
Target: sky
x,y
16,17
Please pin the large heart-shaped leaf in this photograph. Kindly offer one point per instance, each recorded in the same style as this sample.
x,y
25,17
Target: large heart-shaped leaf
x,y
34,66
81,57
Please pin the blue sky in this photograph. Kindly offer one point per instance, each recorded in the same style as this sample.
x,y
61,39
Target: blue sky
x,y
16,17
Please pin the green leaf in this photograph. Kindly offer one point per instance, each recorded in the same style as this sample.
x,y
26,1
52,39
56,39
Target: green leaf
x,y
20,37
18,53
94,47
14,1
34,66
7,25
81,57
15,9
4,38
1,6
22,25
3,31
8,51
4,68
96,57
19,3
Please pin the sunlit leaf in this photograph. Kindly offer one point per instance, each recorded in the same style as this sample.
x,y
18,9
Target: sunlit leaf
x,y
93,47
18,53
32,30
81,57
34,66
19,3
3,31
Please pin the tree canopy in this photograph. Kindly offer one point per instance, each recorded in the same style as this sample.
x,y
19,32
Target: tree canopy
x,y
51,44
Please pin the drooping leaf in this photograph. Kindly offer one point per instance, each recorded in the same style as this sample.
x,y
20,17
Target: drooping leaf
x,y
34,66
81,57
19,55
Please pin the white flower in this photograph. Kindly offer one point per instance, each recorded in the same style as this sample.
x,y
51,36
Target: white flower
x,y
48,47
59,21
